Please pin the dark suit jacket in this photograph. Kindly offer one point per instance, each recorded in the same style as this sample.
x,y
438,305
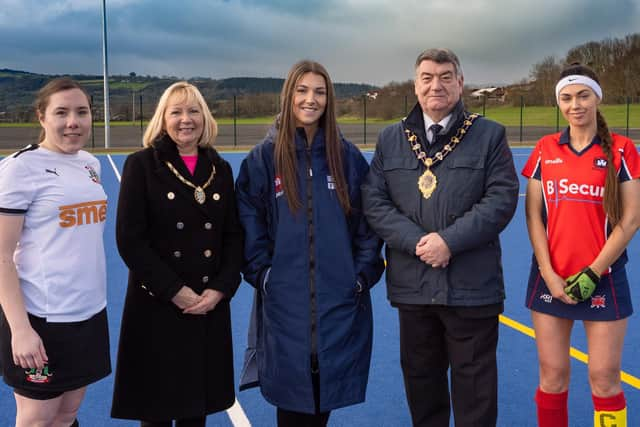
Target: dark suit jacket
x,y
475,198
174,365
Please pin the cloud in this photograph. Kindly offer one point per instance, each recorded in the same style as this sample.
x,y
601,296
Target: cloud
x,y
373,41
22,14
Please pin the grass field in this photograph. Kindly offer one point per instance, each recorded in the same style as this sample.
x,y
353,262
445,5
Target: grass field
x,y
616,116
116,85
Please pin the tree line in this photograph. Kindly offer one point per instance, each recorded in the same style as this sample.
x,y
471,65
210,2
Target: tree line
x,y
615,60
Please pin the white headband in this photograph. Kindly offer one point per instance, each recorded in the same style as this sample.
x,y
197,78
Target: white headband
x,y
577,79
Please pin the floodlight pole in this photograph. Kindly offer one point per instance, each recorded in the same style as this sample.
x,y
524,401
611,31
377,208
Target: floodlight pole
x,y
105,72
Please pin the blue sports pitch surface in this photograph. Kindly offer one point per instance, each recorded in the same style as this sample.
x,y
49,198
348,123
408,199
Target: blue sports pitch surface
x,y
385,404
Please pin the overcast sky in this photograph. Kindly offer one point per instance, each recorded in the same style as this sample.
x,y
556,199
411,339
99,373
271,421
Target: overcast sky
x,y
368,41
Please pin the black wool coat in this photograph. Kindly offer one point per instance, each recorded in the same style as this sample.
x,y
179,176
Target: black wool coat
x,y
172,365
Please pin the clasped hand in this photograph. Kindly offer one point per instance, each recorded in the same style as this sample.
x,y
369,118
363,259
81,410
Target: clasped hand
x,y
580,286
575,288
192,303
433,250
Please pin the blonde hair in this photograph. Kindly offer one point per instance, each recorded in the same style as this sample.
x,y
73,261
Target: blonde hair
x,y
187,93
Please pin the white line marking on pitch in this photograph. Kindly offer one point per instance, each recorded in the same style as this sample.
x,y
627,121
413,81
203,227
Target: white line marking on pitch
x,y
113,165
237,415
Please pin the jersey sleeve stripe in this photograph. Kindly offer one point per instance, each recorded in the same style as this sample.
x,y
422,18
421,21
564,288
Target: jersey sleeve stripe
x,y
625,173
8,211
537,173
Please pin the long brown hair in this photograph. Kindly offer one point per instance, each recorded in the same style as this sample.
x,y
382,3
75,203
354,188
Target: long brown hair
x,y
54,86
285,149
612,201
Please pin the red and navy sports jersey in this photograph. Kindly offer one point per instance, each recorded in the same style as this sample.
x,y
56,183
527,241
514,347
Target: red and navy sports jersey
x,y
573,191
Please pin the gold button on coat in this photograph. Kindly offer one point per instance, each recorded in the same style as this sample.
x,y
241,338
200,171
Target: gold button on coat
x,y
177,254
207,226
180,225
216,196
207,253
171,195
205,279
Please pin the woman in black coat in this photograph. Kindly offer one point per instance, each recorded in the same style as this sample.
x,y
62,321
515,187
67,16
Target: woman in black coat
x,y
178,232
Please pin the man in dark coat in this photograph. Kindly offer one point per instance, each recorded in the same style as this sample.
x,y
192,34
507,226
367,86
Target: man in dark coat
x,y
441,187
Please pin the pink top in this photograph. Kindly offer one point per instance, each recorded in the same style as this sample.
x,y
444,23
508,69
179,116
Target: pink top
x,y
190,162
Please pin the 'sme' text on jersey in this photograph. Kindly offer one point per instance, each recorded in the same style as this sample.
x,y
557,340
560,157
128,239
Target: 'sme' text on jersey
x,y
83,213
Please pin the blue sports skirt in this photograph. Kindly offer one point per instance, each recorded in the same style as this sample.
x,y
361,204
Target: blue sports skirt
x,y
611,299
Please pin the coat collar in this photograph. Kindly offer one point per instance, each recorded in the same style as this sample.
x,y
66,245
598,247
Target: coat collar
x,y
565,137
165,150
316,144
415,120
300,138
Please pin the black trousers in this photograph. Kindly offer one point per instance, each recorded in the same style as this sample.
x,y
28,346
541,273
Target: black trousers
x,y
191,422
436,338
299,419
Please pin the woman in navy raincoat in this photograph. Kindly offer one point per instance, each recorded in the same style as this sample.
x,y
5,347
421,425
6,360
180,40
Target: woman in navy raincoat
x,y
310,255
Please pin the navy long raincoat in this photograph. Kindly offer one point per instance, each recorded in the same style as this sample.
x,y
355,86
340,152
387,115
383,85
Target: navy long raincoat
x,y
306,267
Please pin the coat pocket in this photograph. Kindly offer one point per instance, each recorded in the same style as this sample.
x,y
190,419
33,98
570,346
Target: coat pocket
x,y
464,177
402,273
401,174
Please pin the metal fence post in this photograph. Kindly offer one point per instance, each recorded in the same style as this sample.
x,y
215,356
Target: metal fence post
x,y
140,107
484,105
628,111
521,115
93,128
364,115
235,125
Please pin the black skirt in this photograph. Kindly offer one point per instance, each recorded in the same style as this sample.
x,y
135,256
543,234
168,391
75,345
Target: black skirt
x,y
78,354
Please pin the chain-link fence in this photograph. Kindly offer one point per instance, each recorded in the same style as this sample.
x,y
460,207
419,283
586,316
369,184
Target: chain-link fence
x,y
245,119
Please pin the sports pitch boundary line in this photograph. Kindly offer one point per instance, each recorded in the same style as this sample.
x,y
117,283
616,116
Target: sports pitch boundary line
x,y
574,352
113,165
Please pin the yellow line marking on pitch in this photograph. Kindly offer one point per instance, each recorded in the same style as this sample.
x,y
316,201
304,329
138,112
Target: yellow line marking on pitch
x,y
575,353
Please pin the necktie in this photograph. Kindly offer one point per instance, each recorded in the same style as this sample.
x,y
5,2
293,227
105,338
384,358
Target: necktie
x,y
435,130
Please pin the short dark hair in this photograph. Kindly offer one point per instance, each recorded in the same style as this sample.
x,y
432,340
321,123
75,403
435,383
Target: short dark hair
x,y
440,56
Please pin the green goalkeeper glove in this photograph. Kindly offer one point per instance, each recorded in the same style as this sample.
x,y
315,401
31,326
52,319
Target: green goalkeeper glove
x,y
581,285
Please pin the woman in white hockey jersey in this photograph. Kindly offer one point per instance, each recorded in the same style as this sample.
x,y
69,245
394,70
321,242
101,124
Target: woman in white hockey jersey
x,y
53,322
